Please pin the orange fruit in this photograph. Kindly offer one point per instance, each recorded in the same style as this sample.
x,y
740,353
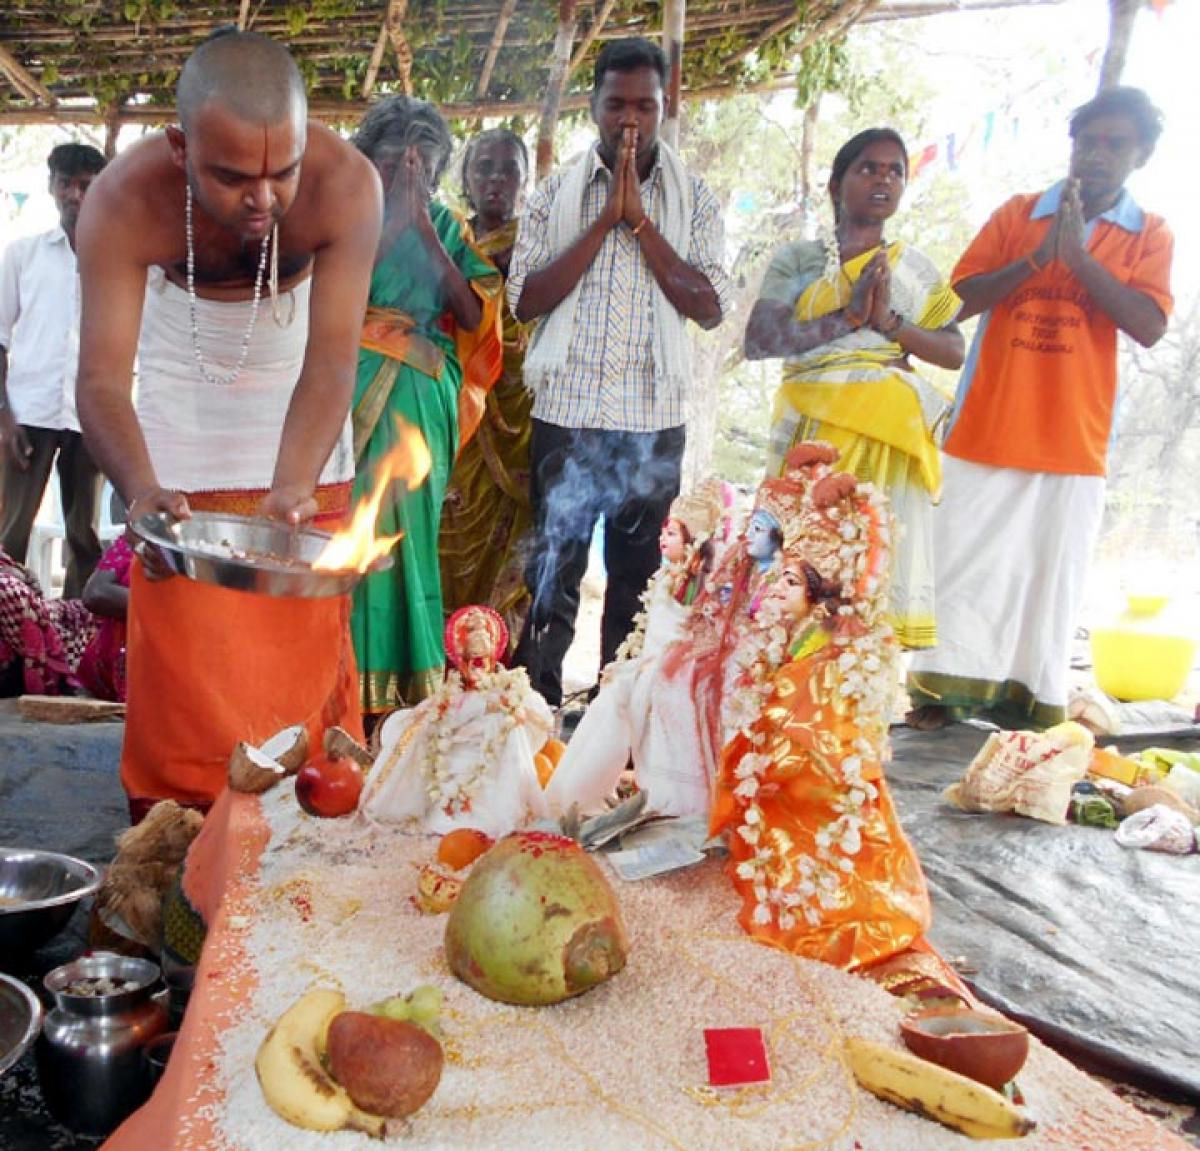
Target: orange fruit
x,y
553,750
462,846
545,767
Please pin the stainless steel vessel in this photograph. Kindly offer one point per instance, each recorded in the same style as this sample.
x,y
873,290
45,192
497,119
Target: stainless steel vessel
x,y
247,554
89,1055
39,891
20,1020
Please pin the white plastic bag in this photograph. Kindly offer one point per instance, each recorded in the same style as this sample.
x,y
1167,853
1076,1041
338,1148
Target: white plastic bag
x,y
1026,772
1157,828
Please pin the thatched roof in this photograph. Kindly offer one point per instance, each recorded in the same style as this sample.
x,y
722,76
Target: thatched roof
x,y
103,59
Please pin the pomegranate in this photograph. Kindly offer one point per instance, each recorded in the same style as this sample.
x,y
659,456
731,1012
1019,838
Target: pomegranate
x,y
329,787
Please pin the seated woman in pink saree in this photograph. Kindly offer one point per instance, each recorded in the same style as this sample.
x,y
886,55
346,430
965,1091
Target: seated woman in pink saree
x,y
41,639
106,595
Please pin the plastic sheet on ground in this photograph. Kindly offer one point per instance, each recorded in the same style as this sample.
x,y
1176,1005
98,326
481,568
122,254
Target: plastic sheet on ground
x,y
1096,947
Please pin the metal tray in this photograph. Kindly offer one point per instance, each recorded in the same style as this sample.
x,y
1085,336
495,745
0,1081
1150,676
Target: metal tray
x,y
234,552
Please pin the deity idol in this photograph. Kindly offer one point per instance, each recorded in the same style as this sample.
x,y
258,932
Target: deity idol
x,y
464,756
816,850
602,743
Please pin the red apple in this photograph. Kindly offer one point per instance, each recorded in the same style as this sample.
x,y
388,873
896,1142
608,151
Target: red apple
x,y
329,787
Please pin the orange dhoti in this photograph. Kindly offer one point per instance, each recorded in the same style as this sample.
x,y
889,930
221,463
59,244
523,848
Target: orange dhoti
x,y
208,666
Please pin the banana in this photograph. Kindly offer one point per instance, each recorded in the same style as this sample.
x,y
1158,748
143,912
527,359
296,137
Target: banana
x,y
293,1079
935,1092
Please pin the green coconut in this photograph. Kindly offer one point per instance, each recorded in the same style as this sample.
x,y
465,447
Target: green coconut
x,y
536,922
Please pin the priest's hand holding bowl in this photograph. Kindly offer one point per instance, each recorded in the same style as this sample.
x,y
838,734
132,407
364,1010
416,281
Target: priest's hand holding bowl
x,y
151,500
290,504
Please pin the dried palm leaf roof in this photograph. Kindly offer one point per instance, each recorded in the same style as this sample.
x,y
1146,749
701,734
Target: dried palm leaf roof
x,y
96,60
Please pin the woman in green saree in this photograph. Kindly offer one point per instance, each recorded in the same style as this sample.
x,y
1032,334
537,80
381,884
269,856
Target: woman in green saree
x,y
849,315
432,294
486,517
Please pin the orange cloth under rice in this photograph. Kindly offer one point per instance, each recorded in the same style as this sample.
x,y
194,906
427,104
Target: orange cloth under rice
x,y
220,879
208,666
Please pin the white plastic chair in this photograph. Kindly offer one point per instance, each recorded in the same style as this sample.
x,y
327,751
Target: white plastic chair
x,y
46,556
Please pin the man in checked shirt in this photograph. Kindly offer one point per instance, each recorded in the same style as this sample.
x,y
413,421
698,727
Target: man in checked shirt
x,y
615,253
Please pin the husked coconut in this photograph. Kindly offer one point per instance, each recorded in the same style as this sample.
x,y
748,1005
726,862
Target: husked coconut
x,y
288,748
340,744
256,769
253,771
536,922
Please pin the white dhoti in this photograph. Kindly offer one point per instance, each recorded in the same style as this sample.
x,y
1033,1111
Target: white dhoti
x,y
1012,550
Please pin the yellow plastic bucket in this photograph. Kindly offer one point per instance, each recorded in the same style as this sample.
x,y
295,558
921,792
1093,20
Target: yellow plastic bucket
x,y
1134,665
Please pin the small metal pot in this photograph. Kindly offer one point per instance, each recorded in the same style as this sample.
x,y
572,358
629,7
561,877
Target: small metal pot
x,y
89,1055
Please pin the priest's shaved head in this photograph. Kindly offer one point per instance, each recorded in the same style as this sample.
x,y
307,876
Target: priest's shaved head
x,y
252,76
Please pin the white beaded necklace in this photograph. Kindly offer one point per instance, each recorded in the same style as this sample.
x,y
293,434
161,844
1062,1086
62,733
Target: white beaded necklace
x,y
269,242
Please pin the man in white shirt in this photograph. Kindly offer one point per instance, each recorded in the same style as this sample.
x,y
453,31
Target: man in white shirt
x,y
39,353
616,253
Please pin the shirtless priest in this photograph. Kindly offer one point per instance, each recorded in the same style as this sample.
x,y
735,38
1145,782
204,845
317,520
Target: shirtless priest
x,y
232,255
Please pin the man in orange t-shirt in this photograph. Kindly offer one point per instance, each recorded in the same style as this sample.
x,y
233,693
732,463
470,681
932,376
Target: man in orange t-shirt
x,y
1054,276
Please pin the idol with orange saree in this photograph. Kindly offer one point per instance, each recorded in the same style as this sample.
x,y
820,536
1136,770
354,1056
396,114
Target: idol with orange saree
x,y
816,849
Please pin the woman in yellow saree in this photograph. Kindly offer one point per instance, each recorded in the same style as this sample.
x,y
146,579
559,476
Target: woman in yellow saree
x,y
847,314
486,515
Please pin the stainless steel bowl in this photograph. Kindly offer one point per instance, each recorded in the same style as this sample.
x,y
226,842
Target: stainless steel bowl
x,y
137,974
240,552
38,893
20,1020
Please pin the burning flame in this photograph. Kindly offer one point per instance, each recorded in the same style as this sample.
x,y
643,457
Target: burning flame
x,y
356,548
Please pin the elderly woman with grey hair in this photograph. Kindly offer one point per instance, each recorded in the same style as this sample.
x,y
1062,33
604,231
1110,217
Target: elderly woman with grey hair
x,y
433,312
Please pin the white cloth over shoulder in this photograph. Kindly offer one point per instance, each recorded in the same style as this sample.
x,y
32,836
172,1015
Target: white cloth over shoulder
x,y
551,342
212,437
458,760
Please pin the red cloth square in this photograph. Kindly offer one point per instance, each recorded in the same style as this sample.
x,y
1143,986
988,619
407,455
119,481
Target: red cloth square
x,y
736,1056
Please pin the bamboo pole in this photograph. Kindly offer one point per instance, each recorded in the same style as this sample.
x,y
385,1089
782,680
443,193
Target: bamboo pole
x,y
396,11
112,129
768,33
808,142
560,65
489,61
836,23
674,22
339,111
589,37
243,15
23,80
1121,17
376,59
